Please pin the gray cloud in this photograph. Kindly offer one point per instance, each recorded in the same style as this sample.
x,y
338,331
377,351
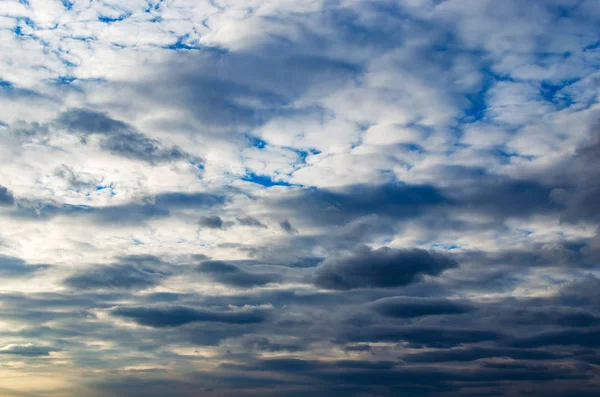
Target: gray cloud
x,y
120,138
116,277
175,316
251,222
230,274
469,130
16,267
419,337
214,222
403,307
381,268
26,350
6,197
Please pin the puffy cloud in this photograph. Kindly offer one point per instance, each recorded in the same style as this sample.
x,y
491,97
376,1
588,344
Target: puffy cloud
x,y
381,268
230,274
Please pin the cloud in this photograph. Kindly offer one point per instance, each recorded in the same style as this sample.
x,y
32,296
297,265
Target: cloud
x,y
403,307
6,197
293,198
251,222
230,274
15,267
119,138
338,207
585,338
175,316
26,350
287,226
214,222
121,276
477,353
419,337
381,268
90,122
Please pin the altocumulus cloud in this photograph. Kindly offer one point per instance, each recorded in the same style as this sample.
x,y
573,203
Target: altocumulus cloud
x,y
290,198
174,316
383,268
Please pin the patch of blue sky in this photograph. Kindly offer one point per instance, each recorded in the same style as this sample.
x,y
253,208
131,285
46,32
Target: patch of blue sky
x,y
64,80
18,30
256,142
553,92
508,156
182,43
110,188
67,4
153,6
447,247
412,147
84,38
199,166
108,19
263,180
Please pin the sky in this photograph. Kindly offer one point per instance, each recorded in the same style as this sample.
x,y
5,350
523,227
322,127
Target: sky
x,y
299,197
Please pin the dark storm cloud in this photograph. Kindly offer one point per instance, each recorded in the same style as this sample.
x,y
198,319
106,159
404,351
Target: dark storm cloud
x,y
404,307
175,316
230,274
381,268
6,196
16,267
419,337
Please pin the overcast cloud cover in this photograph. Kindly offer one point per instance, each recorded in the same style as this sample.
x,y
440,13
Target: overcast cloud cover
x,y
299,197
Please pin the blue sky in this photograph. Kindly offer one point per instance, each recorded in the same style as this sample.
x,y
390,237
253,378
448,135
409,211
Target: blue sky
x,y
294,197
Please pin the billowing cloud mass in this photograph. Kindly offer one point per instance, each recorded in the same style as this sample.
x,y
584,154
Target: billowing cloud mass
x,y
299,197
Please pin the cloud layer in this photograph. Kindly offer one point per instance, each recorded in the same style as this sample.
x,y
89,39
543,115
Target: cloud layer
x,y
309,197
